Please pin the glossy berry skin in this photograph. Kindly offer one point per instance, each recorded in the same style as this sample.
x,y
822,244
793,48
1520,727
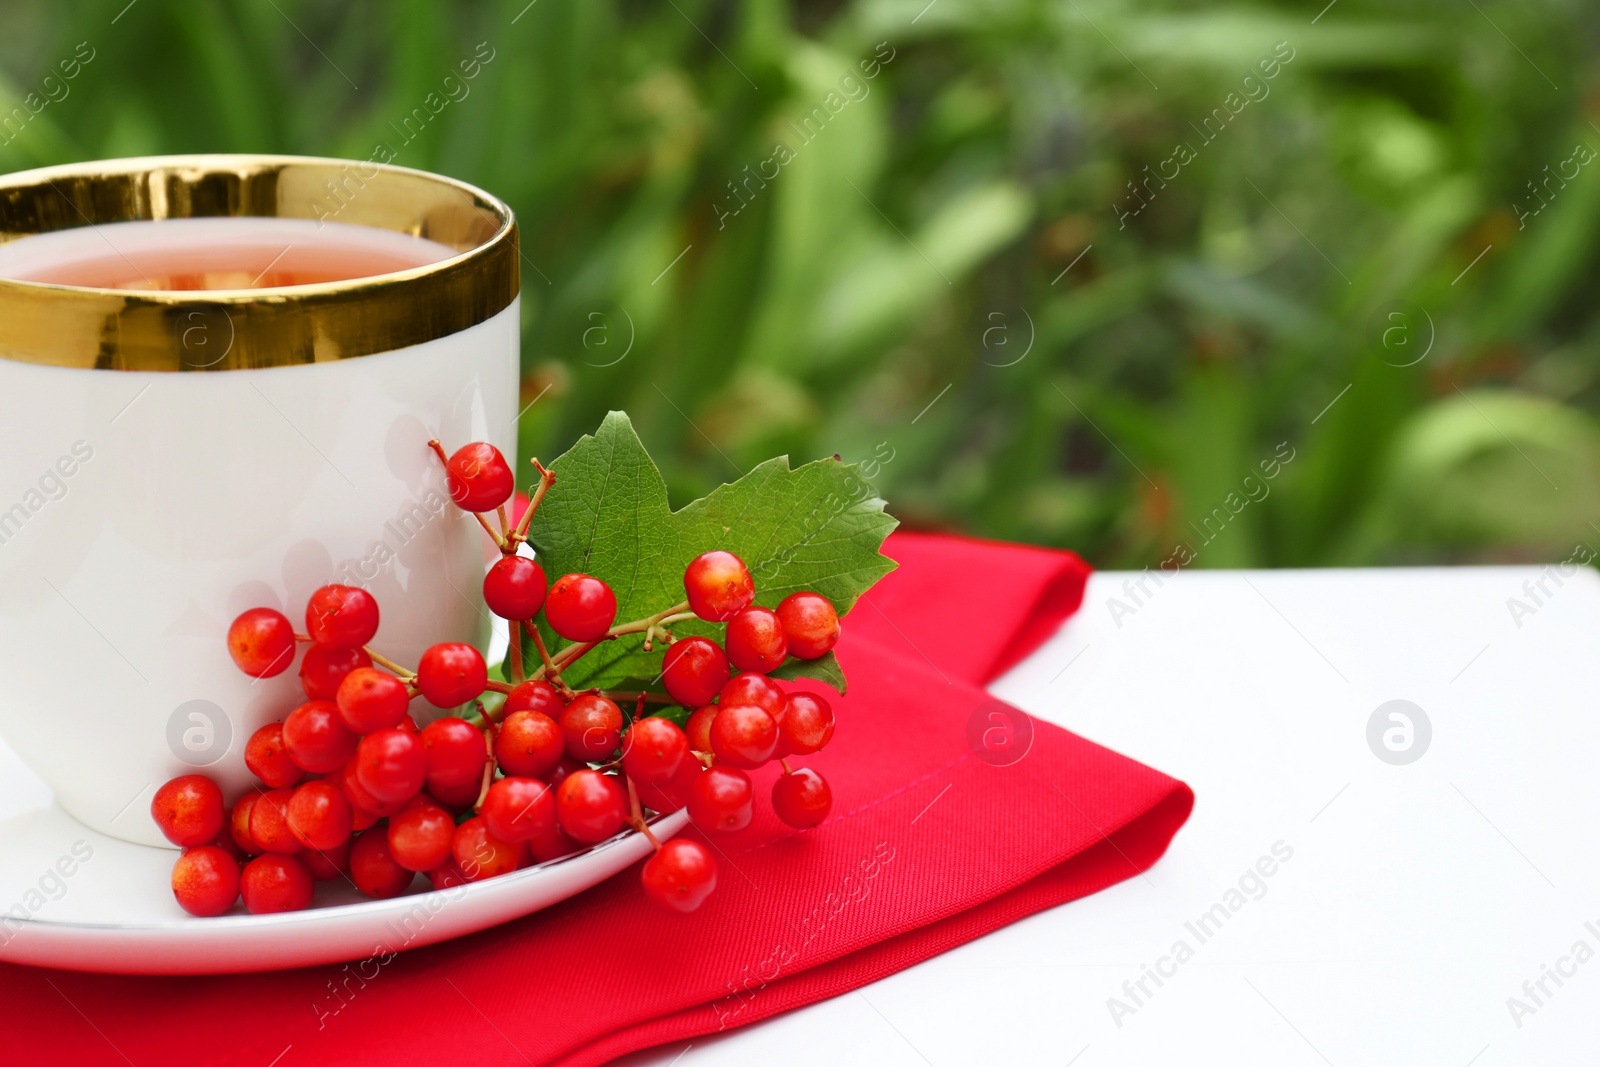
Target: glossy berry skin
x,y
694,670
341,616
369,699
188,810
680,875
653,750
580,607
391,765
674,795
535,696
275,883
810,624
552,845
753,688
319,815
329,863
718,585
456,799
590,806
323,667
698,727
802,798
205,880
420,836
317,739
529,744
519,809
722,798
456,753
447,875
452,673
268,758
806,724
239,823
743,735
591,727
480,854
479,477
373,868
261,642
515,588
755,640
269,823
368,808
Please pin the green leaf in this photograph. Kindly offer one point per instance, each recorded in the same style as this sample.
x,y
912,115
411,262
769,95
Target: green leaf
x,y
816,527
826,669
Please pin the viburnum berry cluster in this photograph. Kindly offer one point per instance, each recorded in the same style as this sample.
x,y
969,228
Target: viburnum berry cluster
x,y
350,786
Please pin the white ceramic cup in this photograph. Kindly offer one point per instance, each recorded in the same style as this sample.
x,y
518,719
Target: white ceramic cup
x,y
151,489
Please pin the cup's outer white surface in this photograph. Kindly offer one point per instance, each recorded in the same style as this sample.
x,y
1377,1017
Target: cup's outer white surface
x,y
141,512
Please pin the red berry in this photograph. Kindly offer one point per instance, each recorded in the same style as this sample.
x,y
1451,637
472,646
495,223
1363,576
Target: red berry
x,y
328,863
810,624
457,798
323,667
529,744
456,753
806,724
680,875
654,750
205,880
268,757
261,642
419,837
723,799
275,883
755,640
342,616
447,875
718,585
452,673
580,607
188,810
560,771
269,823
519,809
373,868
319,815
535,696
698,728
514,588
674,794
239,824
591,727
694,671
368,808
316,737
743,735
391,765
552,845
591,806
369,699
753,688
224,840
480,854
802,798
479,477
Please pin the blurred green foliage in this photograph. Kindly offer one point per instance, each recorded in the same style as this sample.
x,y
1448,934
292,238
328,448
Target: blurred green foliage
x,y
991,265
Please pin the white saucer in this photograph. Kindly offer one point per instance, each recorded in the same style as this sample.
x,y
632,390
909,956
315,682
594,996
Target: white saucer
x,y
77,899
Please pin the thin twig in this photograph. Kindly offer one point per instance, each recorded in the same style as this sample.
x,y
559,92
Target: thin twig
x,y
546,480
391,666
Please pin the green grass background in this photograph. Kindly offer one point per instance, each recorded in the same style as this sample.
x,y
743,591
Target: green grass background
x,y
1358,230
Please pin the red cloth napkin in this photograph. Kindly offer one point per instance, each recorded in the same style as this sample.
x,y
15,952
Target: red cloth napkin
x,y
931,843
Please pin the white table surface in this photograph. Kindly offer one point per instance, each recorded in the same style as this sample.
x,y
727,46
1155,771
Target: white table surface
x,y
1418,899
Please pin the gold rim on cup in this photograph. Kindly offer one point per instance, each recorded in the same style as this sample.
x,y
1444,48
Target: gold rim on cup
x,y
145,330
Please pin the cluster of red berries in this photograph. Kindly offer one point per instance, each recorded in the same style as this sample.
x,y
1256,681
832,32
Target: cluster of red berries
x,y
351,786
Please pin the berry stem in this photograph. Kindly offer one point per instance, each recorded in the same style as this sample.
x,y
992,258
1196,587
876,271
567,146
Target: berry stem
x,y
498,687
786,768
506,546
550,670
619,697
488,770
498,540
547,478
637,818
515,650
391,666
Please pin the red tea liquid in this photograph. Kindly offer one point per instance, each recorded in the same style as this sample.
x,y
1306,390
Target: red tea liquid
x,y
221,253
